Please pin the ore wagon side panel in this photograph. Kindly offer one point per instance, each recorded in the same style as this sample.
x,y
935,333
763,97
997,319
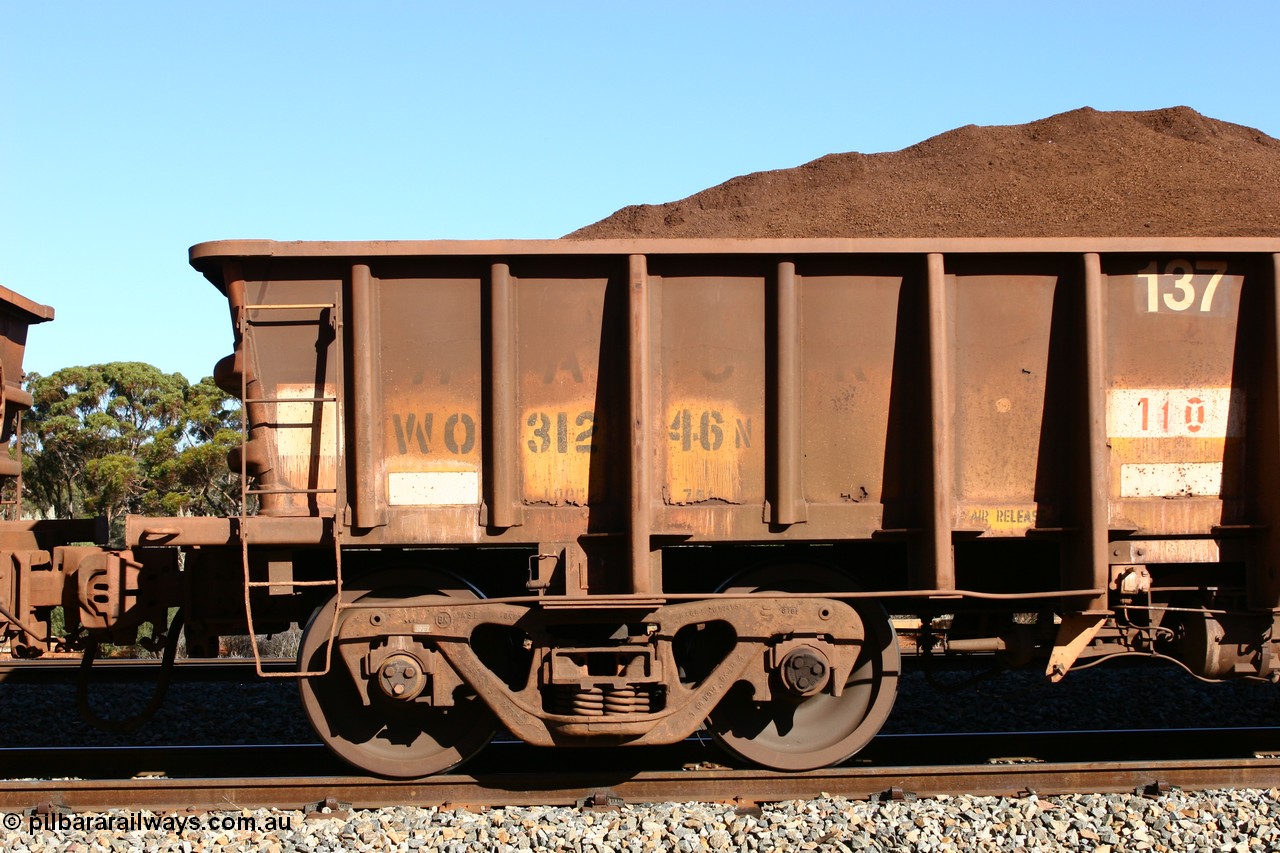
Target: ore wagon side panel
x,y
781,414
1046,399
288,317
429,373
1007,408
848,347
1179,378
709,332
499,396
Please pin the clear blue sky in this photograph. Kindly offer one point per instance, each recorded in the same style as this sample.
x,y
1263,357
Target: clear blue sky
x,y
131,130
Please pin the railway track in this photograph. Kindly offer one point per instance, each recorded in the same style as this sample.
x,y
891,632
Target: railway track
x,y
210,778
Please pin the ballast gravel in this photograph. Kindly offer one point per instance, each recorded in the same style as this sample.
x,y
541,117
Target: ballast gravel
x,y
268,710
1233,820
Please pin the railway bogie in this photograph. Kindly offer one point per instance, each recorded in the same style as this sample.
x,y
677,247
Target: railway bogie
x,y
614,492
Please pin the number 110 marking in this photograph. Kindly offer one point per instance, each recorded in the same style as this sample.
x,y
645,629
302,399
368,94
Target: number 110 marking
x,y
1193,414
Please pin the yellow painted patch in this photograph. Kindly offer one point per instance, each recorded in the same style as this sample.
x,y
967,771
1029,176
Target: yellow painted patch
x,y
708,442
438,435
556,446
999,520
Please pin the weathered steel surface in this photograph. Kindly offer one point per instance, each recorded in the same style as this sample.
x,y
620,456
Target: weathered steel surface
x,y
1082,434
31,565
769,390
17,314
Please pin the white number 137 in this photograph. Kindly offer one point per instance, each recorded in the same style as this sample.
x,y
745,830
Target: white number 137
x,y
1182,278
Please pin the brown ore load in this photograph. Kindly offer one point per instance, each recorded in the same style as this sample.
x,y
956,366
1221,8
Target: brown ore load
x,y
1085,173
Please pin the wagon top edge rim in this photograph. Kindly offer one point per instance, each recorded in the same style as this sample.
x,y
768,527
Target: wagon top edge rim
x,y
30,311
203,253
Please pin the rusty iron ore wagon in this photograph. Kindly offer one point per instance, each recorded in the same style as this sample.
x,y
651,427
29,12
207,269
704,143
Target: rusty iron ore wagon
x,y
613,492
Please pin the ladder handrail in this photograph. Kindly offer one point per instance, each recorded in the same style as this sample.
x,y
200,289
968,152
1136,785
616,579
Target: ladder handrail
x,y
246,324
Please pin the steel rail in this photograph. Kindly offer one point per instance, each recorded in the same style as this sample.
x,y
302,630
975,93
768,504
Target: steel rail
x,y
514,774
740,787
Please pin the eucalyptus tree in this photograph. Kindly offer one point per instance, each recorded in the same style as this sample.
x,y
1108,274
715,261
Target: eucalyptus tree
x,y
125,437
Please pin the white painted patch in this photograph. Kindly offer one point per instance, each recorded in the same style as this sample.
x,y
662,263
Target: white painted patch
x,y
1175,412
1180,551
1171,480
433,488
305,428
307,434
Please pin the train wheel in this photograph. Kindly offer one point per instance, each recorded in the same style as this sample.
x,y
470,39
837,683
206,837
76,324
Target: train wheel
x,y
389,737
805,733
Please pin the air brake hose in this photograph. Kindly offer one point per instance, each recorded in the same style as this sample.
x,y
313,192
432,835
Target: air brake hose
x,y
129,724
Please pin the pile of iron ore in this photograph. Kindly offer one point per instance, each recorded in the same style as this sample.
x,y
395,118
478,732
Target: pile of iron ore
x,y
1085,173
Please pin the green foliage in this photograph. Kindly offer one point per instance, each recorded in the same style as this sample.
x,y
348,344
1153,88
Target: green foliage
x,y
119,438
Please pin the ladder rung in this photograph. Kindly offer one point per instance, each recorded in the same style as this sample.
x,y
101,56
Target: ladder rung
x,y
283,307
246,324
292,400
